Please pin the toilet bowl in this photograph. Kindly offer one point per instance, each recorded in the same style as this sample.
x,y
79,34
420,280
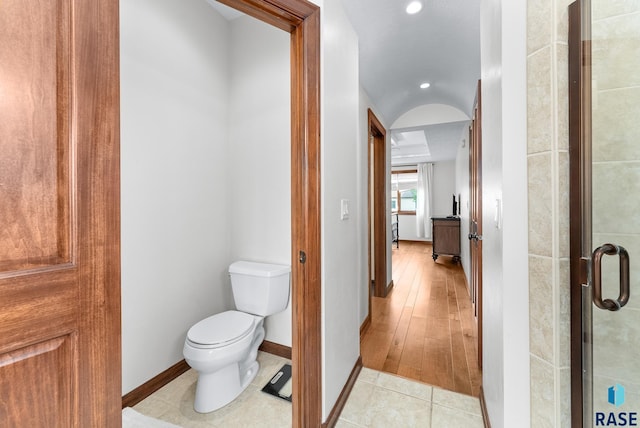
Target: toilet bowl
x,y
223,348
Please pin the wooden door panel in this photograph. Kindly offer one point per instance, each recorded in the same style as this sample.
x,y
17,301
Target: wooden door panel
x,y
37,307
38,384
34,134
38,287
59,211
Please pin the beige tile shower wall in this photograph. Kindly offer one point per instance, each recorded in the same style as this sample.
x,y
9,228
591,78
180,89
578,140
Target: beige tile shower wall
x,y
616,174
547,133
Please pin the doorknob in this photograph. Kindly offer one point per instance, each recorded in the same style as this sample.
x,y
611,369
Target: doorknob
x,y
475,236
596,273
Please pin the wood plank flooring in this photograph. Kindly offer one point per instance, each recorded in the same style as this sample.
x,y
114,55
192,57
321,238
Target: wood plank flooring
x,y
424,329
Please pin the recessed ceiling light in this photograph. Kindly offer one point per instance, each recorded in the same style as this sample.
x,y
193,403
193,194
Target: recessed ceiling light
x,y
414,7
425,85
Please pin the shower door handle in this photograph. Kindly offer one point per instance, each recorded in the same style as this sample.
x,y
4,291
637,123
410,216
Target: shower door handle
x,y
596,275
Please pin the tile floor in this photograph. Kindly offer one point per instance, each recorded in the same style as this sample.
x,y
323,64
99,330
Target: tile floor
x,y
377,400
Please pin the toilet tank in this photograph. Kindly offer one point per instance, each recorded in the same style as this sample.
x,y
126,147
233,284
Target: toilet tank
x,y
260,288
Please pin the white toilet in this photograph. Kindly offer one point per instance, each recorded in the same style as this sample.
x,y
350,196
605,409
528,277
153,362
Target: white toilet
x,y
223,348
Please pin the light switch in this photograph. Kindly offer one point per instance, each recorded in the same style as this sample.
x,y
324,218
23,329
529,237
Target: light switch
x,y
344,209
498,214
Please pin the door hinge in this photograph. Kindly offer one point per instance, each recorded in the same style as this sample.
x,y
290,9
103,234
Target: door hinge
x,y
584,264
303,257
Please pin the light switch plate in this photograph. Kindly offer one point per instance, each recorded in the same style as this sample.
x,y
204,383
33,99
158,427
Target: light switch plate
x,y
344,209
498,214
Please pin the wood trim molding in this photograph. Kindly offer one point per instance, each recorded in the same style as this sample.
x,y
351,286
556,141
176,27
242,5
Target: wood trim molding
x,y
389,287
365,325
306,227
284,14
475,214
276,349
485,412
152,385
344,395
378,132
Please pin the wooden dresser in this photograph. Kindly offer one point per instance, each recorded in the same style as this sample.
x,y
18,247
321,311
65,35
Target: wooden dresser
x,y
446,237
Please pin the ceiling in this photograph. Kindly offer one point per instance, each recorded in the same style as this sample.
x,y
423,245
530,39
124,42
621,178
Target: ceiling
x,y
440,45
431,143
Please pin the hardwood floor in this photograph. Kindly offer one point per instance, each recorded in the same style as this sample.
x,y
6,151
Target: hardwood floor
x,y
424,329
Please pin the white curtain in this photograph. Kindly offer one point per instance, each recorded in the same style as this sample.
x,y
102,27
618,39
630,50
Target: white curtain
x,y
424,200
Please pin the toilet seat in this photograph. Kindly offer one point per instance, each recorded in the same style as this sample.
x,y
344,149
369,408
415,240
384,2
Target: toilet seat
x,y
221,329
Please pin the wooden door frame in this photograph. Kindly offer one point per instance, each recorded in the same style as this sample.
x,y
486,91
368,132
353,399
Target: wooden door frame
x,y
475,191
379,167
302,20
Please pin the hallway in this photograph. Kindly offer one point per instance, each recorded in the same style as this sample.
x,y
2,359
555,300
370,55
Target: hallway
x,y
424,329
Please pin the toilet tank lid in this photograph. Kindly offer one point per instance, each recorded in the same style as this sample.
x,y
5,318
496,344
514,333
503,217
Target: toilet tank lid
x,y
259,269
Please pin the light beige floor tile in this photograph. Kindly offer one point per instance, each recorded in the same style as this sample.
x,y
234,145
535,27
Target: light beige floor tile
x,y
178,387
445,417
404,386
259,410
172,412
269,366
368,375
457,401
373,406
377,400
174,402
153,406
358,402
346,424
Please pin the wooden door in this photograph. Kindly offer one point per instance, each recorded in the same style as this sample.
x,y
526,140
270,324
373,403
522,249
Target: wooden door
x,y
59,214
475,216
379,197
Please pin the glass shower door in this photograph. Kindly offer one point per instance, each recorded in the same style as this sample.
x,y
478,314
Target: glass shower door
x,y
611,304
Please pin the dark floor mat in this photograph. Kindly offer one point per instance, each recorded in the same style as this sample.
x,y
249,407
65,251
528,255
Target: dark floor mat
x,y
280,384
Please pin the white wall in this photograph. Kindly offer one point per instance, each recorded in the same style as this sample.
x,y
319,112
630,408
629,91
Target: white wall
x,y
341,242
173,137
504,165
259,152
462,189
444,187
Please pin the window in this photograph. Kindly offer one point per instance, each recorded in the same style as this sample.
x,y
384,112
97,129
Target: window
x,y
404,185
